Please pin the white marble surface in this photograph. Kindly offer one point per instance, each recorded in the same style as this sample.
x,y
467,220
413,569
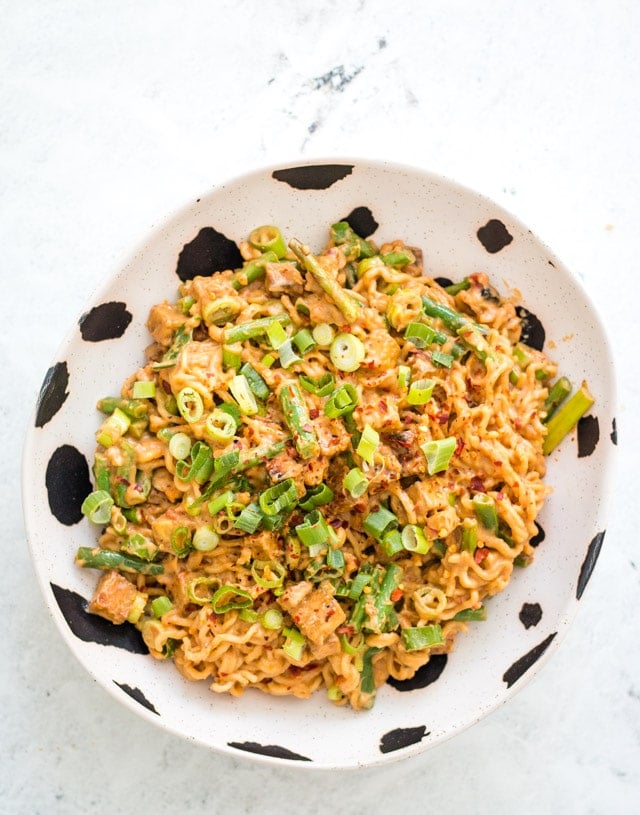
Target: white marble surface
x,y
114,114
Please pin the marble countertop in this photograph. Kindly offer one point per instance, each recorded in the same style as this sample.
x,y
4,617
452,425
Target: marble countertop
x,y
112,116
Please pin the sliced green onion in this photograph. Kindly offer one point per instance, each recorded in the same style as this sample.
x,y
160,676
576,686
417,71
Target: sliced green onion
x,y
468,615
399,259
485,508
248,615
294,643
470,535
557,394
230,598
287,355
180,338
185,303
355,482
378,523
422,335
243,395
196,583
160,605
268,239
205,539
249,519
231,357
268,573
423,636
361,580
97,506
113,428
276,335
566,418
323,334
181,541
137,608
233,410
335,559
268,360
316,497
320,387
391,542
438,453
404,376
347,352
442,359
220,426
367,679
220,502
221,310
272,619
180,446
343,400
253,328
304,341
253,270
190,404
256,382
420,391
414,539
279,497
334,694
296,415
144,389
314,530
368,444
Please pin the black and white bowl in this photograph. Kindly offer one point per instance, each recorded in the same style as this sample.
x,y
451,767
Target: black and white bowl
x,y
460,232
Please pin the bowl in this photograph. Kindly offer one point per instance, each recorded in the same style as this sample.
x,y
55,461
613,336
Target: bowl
x,y
459,232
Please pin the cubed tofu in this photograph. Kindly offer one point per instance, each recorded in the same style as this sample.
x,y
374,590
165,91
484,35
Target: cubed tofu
x,y
114,597
314,611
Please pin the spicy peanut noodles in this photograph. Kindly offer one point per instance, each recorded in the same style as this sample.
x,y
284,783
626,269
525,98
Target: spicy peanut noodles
x,y
325,467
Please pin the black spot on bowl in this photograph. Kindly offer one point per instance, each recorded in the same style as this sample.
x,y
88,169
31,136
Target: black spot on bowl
x,y
443,281
530,614
494,236
92,628
588,435
272,750
313,177
537,539
108,321
614,432
138,695
426,675
68,484
362,222
209,252
532,333
402,737
53,393
588,564
522,665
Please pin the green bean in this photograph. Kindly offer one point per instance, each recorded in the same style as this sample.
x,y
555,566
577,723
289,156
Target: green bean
x,y
253,328
566,418
347,304
105,559
298,421
557,394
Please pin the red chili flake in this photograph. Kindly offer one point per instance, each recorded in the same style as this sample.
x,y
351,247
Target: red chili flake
x,y
382,404
396,594
336,523
314,413
166,387
330,613
459,447
409,418
346,629
213,617
442,417
497,464
500,496
296,618
476,484
307,428
480,555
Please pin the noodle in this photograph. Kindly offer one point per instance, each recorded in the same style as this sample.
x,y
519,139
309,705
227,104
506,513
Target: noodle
x,y
219,570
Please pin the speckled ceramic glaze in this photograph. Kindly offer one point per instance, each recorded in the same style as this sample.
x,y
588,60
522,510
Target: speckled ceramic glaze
x,y
460,232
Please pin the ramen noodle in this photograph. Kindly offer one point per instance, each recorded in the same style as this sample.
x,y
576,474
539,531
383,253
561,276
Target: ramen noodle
x,y
326,466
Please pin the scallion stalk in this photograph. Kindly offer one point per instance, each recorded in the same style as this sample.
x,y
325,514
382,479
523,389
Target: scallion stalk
x,y
438,453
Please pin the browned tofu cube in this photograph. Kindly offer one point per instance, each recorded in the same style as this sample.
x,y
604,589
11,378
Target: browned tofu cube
x,y
315,612
114,597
